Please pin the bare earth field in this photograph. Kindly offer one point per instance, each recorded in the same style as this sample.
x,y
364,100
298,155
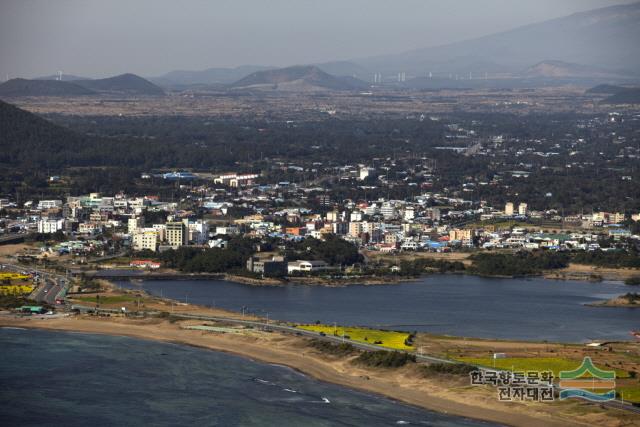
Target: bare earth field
x,y
318,105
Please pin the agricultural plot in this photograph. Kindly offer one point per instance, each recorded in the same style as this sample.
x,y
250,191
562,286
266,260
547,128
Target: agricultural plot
x,y
388,339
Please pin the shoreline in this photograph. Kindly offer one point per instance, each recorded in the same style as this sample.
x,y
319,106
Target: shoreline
x,y
423,394
560,276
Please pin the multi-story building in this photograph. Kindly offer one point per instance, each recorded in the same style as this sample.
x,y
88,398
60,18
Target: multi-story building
x,y
522,209
461,235
432,213
355,216
133,224
48,226
176,233
49,204
355,229
145,239
388,211
508,208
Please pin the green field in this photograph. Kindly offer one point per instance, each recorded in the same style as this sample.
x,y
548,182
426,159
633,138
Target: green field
x,y
387,339
629,393
554,364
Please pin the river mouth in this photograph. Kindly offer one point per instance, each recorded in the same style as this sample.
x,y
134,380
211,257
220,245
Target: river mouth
x,y
532,309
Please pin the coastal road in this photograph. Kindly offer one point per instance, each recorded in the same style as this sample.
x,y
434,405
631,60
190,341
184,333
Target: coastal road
x,y
287,329
49,287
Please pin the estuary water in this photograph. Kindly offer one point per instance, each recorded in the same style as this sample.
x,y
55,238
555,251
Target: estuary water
x,y
524,309
70,379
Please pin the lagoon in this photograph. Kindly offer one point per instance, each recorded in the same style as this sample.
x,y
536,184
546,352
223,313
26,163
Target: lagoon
x,y
534,309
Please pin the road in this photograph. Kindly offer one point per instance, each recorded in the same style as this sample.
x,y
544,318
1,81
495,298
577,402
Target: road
x,y
49,287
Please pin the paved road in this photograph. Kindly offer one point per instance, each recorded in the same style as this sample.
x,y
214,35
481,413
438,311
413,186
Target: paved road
x,y
298,331
50,286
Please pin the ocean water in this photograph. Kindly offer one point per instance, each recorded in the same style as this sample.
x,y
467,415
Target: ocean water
x,y
70,379
524,309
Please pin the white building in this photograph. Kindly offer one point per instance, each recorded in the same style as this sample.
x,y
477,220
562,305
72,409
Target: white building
x,y
306,266
508,208
388,211
48,226
133,224
49,204
523,209
364,173
198,232
145,238
409,213
355,216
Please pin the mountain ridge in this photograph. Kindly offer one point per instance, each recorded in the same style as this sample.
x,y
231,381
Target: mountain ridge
x,y
582,38
24,87
296,77
123,84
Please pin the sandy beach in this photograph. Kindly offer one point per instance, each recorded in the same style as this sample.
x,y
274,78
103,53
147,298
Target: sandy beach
x,y
451,396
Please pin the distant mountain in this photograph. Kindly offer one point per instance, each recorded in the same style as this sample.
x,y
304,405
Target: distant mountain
x,y
65,77
627,96
345,68
297,78
606,89
210,76
24,87
561,69
606,38
127,84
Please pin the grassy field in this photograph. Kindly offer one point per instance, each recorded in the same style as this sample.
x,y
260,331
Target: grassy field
x,y
554,364
387,339
116,299
629,393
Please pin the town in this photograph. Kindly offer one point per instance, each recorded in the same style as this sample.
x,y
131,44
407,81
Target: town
x,y
231,205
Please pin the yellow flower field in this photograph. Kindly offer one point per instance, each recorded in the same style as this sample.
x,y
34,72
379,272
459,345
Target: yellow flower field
x,y
388,339
15,290
12,276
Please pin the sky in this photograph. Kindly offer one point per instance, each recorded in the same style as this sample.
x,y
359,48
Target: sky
x,y
98,38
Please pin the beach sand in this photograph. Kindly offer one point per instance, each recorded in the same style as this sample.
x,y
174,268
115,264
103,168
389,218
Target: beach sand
x,y
444,395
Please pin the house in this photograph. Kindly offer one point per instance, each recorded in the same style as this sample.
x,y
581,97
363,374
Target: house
x,y
144,263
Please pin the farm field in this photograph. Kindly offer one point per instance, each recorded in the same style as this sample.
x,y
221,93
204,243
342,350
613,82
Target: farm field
x,y
554,364
388,339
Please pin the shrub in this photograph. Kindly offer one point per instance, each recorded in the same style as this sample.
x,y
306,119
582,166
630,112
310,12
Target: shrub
x,y
384,359
341,349
633,281
447,369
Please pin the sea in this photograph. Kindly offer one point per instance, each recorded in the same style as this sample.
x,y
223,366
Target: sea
x,y
77,379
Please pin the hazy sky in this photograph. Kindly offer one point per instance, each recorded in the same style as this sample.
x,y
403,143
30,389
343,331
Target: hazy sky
x,y
150,37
